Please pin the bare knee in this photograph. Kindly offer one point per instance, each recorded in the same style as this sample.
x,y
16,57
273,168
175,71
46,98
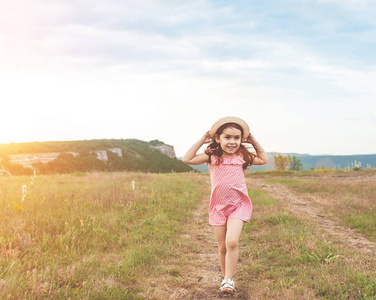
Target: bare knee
x,y
222,248
232,243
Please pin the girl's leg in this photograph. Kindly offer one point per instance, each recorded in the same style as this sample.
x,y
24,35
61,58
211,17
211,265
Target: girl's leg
x,y
234,229
220,234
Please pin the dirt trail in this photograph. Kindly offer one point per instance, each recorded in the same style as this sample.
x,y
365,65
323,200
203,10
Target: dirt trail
x,y
307,208
204,275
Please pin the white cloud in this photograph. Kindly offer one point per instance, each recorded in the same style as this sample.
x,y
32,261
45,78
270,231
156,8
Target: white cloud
x,y
167,70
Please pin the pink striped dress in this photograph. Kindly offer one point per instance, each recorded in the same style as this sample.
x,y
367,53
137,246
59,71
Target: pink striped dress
x,y
229,196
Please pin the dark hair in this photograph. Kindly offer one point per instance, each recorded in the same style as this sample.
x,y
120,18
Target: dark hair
x,y
215,148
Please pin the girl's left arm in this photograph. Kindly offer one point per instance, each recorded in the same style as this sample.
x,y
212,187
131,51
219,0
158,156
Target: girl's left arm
x,y
261,157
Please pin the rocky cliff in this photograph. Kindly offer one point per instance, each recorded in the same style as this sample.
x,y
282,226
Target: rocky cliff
x,y
166,149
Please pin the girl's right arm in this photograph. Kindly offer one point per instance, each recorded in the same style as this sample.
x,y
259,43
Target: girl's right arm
x,y
192,158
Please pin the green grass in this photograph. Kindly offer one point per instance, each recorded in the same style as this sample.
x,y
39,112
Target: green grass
x,y
285,258
352,201
364,222
261,198
89,236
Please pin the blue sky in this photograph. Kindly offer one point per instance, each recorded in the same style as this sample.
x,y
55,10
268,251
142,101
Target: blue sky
x,y
301,73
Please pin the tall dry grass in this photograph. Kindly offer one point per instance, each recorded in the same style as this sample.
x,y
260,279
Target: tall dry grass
x,y
286,257
352,200
89,236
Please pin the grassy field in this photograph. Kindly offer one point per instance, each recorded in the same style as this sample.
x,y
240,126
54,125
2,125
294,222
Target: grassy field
x,y
353,201
91,236
285,257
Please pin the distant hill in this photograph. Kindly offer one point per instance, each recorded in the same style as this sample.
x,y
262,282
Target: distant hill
x,y
315,161
89,155
335,161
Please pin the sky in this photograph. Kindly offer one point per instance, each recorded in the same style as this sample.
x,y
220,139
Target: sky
x,y
302,73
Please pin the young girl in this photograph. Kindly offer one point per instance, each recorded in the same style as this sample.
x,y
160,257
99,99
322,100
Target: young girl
x,y
230,205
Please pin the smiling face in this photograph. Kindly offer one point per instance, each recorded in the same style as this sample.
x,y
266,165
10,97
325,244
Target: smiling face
x,y
230,140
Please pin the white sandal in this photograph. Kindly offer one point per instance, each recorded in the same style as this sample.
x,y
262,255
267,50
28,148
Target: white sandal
x,y
228,286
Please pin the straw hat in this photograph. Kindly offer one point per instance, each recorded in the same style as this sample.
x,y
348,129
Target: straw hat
x,y
226,120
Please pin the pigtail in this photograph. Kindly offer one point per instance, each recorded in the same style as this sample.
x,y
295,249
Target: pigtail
x,y
214,149
248,157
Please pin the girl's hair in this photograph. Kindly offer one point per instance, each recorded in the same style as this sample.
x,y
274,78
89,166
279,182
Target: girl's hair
x,y
215,148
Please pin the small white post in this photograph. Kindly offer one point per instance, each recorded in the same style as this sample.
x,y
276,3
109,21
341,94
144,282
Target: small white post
x,y
24,188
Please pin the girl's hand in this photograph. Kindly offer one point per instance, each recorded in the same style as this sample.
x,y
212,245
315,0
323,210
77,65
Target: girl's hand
x,y
206,138
261,156
251,139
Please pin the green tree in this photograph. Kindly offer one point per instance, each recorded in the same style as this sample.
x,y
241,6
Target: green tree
x,y
281,162
295,164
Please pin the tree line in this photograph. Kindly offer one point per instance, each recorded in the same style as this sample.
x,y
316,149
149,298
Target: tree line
x,y
284,163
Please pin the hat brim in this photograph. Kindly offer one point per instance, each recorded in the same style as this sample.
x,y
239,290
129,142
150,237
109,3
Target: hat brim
x,y
227,120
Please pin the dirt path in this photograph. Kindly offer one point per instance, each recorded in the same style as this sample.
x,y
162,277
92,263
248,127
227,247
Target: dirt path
x,y
204,275
201,276
307,208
